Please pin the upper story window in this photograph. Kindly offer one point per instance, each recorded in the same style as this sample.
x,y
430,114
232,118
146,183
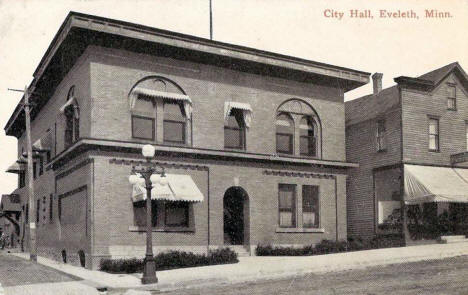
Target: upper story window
x,y
234,131
298,129
308,141
237,118
160,111
433,134
174,123
284,134
451,97
380,135
71,111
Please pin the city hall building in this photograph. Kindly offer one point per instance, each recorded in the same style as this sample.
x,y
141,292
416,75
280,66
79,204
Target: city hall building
x,y
253,144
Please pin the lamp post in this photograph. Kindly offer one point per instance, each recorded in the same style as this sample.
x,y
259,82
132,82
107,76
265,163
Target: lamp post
x,y
150,175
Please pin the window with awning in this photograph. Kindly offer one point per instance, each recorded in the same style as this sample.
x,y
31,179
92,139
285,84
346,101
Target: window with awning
x,y
243,108
427,184
155,94
179,188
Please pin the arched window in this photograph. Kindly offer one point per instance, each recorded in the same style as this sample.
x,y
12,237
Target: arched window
x,y
174,122
234,130
284,134
71,111
308,141
160,111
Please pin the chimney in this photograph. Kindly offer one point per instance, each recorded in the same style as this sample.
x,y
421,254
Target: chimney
x,y
377,82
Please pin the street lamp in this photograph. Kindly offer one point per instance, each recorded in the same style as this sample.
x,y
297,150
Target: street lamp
x,y
150,175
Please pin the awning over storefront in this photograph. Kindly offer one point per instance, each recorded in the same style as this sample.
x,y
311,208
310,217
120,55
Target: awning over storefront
x,y
244,107
178,188
15,168
162,94
424,184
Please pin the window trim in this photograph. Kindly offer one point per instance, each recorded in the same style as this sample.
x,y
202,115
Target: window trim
x,y
153,126
319,223
311,120
293,209
454,98
175,142
290,135
381,135
187,215
242,131
437,136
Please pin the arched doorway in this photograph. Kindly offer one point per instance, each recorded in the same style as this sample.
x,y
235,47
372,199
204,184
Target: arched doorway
x,y
236,216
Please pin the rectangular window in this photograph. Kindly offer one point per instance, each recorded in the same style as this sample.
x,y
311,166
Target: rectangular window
x,y
451,97
174,132
310,206
287,205
233,138
38,206
433,134
139,213
21,179
51,207
26,214
176,214
41,165
34,164
284,143
381,130
142,127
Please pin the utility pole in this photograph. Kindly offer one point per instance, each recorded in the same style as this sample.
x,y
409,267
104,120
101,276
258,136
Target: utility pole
x,y
32,204
211,21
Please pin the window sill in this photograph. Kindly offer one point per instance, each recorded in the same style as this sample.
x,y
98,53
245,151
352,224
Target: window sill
x,y
434,151
382,151
448,109
299,230
161,229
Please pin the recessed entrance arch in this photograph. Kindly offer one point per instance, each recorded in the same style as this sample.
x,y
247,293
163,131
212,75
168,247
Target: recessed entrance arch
x,y
236,216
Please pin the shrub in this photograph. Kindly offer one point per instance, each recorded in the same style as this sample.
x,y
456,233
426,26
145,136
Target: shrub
x,y
328,246
170,260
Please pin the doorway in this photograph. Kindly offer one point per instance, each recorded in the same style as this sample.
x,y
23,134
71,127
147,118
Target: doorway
x,y
236,216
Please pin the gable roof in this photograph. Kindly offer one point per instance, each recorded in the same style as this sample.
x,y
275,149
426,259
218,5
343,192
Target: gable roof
x,y
371,106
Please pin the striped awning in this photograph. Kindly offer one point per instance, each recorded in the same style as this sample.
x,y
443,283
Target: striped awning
x,y
426,184
71,102
15,168
179,188
185,99
42,144
244,107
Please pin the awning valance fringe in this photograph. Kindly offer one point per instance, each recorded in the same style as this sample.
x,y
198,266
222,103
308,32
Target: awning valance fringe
x,y
178,188
244,107
16,168
185,99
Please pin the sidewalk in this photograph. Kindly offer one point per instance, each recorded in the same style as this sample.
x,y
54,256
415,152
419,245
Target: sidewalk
x,y
255,268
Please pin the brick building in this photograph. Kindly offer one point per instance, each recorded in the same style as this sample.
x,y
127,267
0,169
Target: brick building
x,y
253,143
410,141
10,212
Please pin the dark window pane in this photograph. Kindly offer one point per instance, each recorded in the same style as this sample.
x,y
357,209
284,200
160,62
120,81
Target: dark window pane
x,y
310,206
139,213
142,127
284,143
176,214
174,131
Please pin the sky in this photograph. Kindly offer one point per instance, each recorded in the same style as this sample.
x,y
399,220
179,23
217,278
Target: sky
x,y
303,28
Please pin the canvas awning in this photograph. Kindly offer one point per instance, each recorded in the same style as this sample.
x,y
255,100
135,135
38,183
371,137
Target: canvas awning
x,y
42,144
424,184
244,107
70,102
178,188
15,168
185,99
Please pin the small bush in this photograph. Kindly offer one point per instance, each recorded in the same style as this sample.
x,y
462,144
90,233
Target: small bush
x,y
170,260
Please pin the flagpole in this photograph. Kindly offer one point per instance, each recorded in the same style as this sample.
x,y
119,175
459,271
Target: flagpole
x,y
211,21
